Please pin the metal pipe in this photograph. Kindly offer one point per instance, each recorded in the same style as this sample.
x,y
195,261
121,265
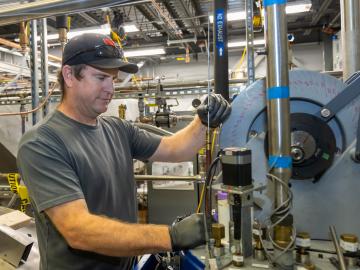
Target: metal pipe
x,y
277,82
34,66
46,8
44,65
278,115
195,178
153,129
17,46
221,64
250,41
350,36
337,248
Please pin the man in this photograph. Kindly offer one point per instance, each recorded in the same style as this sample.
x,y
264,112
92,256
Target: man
x,y
78,168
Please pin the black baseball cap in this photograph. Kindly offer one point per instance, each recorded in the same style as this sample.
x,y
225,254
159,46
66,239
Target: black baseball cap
x,y
96,50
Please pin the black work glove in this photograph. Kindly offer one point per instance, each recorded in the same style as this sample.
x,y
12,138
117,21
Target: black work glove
x,y
188,233
219,110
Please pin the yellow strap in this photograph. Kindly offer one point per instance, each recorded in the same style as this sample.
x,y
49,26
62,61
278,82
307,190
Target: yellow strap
x,y
21,190
13,179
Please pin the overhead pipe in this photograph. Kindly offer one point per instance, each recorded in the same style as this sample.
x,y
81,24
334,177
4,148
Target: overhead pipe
x,y
278,114
46,8
17,46
221,65
350,36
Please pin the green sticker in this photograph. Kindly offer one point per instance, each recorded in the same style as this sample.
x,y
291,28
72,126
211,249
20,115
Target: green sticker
x,y
325,156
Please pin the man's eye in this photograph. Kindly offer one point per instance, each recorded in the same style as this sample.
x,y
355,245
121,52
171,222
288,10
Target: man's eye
x,y
101,78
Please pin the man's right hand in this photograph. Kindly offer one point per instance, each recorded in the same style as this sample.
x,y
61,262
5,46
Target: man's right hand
x,y
188,233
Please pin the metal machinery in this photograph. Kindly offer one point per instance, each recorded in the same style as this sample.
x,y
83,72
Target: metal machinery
x,y
324,115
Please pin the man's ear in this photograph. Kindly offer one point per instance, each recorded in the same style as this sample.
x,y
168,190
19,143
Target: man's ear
x,y
67,75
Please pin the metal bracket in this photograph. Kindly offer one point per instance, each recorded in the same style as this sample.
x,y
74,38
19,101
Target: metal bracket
x,y
350,92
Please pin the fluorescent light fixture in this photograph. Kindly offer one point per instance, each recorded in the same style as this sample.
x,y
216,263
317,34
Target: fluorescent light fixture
x,y
232,44
144,52
291,8
102,29
128,28
297,8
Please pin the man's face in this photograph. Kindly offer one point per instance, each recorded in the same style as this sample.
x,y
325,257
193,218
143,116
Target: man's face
x,y
94,91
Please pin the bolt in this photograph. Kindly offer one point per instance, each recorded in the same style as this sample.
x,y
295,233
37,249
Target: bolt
x,y
325,113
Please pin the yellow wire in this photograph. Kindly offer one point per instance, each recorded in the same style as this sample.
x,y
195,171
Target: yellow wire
x,y
241,60
204,186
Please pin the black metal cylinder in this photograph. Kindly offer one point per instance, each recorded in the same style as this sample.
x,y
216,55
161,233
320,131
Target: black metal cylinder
x,y
236,166
221,66
61,21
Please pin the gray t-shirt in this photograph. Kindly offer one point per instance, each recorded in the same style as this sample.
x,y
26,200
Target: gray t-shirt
x,y
61,160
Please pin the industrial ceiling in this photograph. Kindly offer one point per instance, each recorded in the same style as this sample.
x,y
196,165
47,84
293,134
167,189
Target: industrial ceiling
x,y
162,21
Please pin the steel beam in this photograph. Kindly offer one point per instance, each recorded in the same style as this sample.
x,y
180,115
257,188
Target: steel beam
x,y
34,70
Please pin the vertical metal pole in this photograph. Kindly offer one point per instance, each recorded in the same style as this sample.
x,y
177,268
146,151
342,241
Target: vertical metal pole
x,y
328,52
278,111
44,65
221,65
350,36
34,70
250,41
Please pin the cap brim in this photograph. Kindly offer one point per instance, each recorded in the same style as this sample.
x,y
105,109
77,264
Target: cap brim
x,y
115,63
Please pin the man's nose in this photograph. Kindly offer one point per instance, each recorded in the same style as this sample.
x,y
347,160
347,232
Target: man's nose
x,y
109,87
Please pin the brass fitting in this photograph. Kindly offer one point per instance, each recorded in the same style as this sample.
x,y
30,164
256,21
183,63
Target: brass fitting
x,y
282,235
218,232
63,36
23,36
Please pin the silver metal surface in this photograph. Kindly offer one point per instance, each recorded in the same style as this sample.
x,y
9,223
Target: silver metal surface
x,y
325,113
277,76
195,178
34,66
15,246
46,8
250,41
319,205
44,64
303,145
350,36
337,248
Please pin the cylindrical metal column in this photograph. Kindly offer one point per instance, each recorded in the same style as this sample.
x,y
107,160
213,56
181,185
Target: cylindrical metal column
x,y
277,82
250,41
44,65
350,36
278,112
34,66
221,65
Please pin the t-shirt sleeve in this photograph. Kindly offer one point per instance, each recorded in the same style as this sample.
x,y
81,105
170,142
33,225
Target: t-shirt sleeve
x,y
49,177
143,143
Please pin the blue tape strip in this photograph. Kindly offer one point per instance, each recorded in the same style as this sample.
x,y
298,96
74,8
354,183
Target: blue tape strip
x,y
278,92
273,2
283,162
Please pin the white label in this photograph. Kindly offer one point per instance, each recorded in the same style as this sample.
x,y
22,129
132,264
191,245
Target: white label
x,y
238,258
213,264
301,242
298,267
257,232
352,247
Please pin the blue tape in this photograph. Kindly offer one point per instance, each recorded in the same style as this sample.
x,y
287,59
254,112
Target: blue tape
x,y
283,162
278,92
273,2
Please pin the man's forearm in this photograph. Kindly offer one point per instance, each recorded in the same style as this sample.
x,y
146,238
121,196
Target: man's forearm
x,y
114,238
187,142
